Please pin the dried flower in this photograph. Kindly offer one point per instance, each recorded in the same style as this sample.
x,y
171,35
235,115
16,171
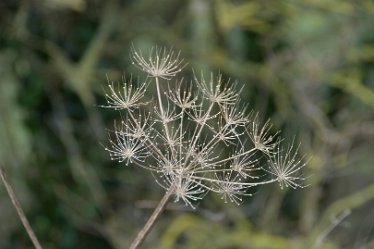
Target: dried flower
x,y
127,148
126,98
197,139
261,137
161,62
216,90
287,167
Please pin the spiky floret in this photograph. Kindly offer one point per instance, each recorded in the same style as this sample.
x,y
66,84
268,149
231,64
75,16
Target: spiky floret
x,y
216,90
126,96
182,96
127,149
161,62
230,188
261,136
286,167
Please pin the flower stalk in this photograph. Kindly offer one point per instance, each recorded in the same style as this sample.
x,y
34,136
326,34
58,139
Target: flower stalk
x,y
151,221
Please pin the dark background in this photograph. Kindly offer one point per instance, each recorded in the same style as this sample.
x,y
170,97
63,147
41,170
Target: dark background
x,y
307,65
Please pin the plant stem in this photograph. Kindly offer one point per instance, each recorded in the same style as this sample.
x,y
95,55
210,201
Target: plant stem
x,y
19,210
147,227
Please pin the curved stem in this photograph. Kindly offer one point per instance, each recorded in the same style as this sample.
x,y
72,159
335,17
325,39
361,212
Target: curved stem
x,y
148,225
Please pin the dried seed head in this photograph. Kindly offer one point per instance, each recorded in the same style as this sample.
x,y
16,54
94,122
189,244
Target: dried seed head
x,y
197,139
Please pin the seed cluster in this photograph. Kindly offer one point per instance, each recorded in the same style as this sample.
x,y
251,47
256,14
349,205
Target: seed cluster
x,y
196,137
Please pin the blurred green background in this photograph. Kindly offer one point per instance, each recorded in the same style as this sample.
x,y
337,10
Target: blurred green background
x,y
307,65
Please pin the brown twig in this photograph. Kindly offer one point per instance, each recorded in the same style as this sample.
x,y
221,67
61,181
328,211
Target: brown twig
x,y
147,227
19,210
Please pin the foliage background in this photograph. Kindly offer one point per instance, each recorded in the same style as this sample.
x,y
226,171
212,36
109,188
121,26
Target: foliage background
x,y
306,64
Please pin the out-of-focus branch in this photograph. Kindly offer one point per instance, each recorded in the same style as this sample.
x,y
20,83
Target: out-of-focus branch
x,y
350,202
351,83
333,225
19,210
79,167
78,75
